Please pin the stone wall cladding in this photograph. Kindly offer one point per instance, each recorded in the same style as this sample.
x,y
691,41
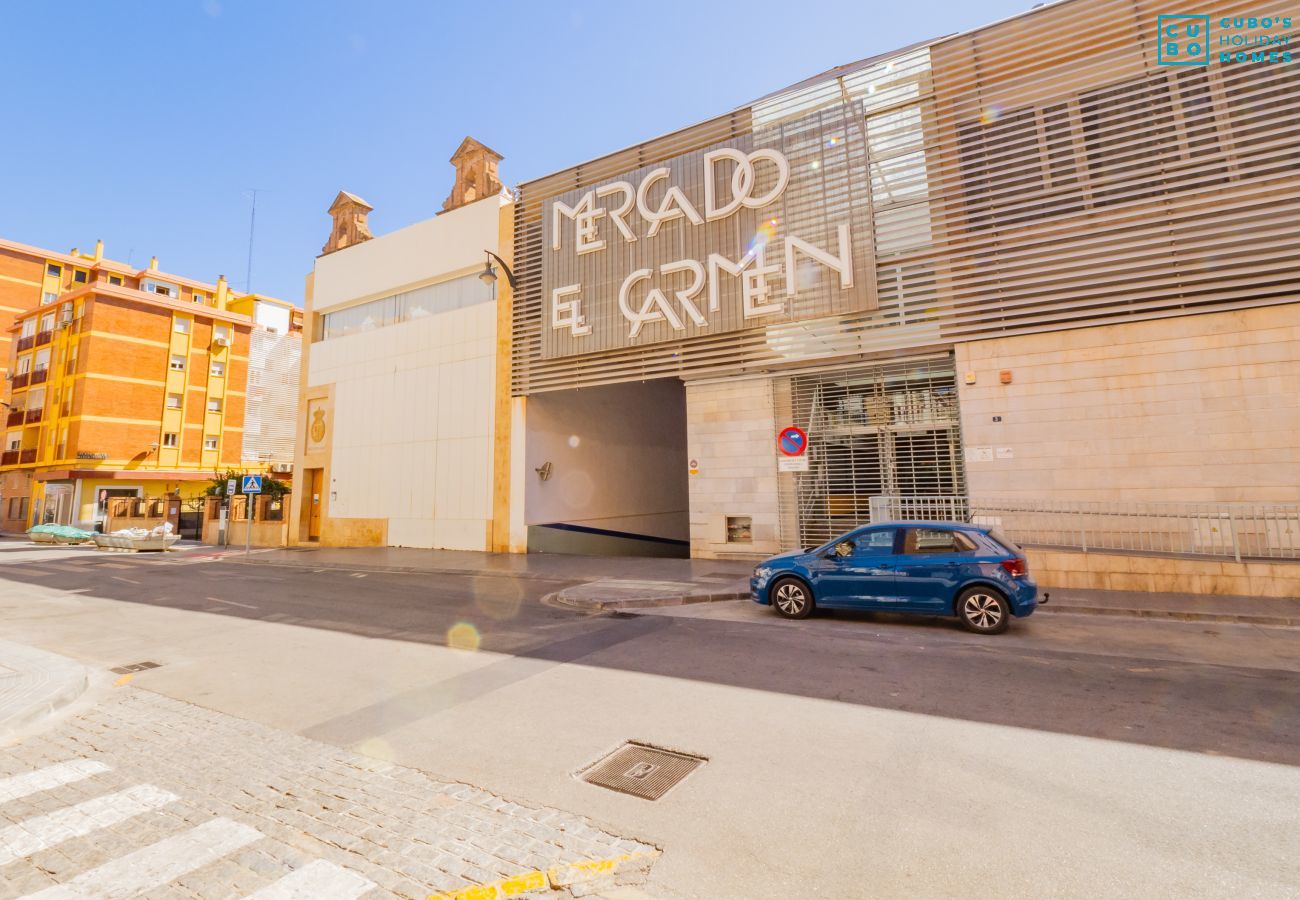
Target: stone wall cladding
x,y
731,432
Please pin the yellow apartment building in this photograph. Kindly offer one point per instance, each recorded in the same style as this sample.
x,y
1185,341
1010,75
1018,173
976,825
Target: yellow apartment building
x,y
126,383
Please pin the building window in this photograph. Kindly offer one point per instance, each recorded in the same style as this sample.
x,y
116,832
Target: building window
x,y
79,309
199,298
181,326
80,276
18,507
173,401
178,362
218,369
405,307
50,297
170,439
115,279
221,333
214,405
53,271
160,287
209,443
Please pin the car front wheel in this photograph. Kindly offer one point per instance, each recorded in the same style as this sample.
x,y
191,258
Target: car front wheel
x,y
983,610
792,599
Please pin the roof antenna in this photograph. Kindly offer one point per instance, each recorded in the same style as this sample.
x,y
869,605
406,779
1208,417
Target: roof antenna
x,y
252,221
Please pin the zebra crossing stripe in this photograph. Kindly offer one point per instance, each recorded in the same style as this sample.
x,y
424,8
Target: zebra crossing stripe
x,y
36,834
319,880
155,865
49,777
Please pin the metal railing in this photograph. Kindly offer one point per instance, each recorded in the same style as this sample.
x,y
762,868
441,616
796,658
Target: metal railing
x,y
1234,530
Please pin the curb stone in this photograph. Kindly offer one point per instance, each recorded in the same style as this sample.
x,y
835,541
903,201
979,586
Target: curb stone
x,y
35,684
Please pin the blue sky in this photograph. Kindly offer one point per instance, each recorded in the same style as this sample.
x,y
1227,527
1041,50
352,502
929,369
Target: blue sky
x,y
144,123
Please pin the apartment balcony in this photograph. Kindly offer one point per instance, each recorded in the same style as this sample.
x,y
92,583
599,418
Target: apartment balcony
x,y
34,416
20,380
9,458
15,417
40,376
44,337
26,343
26,456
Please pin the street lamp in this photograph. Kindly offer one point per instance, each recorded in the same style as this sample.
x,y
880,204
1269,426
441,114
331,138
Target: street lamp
x,y
489,274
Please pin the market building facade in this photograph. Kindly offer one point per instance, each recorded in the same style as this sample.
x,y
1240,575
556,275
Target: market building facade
x,y
398,431
1030,267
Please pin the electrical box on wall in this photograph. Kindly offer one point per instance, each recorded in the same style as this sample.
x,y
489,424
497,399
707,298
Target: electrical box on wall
x,y
1005,376
970,377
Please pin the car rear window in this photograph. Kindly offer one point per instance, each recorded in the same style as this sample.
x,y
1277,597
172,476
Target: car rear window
x,y
936,540
1005,541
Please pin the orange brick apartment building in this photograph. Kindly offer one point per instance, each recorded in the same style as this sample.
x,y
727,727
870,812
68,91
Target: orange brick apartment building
x,y
122,383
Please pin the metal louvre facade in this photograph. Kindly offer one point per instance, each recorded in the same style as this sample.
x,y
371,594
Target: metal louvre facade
x,y
888,429
1037,174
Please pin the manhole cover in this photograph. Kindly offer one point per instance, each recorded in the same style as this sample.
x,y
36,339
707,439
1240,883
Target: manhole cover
x,y
134,667
642,771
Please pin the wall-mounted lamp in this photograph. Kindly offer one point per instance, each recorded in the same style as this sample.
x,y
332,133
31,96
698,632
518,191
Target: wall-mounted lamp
x,y
543,471
489,274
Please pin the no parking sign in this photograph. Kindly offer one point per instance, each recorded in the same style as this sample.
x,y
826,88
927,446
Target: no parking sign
x,y
792,441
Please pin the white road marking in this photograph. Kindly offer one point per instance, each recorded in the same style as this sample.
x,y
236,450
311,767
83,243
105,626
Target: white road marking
x,y
39,833
232,603
357,575
319,880
155,865
127,580
49,777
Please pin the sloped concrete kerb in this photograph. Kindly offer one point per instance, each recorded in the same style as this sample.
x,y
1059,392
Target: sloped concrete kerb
x,y
33,684
600,597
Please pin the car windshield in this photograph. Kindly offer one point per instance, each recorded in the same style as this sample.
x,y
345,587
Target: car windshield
x,y
1005,541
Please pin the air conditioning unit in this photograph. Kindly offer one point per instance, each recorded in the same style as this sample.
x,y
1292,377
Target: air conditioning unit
x,y
282,468
221,342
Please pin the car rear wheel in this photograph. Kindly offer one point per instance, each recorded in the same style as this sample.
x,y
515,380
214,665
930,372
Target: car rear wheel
x,y
792,599
983,610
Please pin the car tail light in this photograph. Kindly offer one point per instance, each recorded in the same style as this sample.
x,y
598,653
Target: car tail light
x,y
1016,567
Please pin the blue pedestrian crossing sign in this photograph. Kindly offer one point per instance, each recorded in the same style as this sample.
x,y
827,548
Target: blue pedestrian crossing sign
x,y
252,484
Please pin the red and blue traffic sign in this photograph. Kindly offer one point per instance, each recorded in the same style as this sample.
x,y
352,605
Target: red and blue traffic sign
x,y
792,441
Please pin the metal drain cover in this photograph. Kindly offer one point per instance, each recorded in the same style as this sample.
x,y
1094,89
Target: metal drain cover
x,y
642,771
134,667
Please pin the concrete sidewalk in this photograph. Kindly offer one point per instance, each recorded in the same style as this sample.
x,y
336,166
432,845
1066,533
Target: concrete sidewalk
x,y
34,684
617,583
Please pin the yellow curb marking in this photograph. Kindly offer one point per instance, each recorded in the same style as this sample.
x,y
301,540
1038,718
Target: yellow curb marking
x,y
538,879
123,680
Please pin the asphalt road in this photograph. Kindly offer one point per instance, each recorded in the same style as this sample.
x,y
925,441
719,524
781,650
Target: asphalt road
x,y
847,755
1172,685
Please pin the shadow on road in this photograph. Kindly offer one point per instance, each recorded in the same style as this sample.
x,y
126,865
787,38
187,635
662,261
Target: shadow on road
x,y
879,660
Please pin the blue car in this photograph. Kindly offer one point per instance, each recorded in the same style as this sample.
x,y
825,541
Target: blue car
x,y
937,568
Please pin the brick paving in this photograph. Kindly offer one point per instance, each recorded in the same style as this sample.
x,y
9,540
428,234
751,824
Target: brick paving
x,y
354,820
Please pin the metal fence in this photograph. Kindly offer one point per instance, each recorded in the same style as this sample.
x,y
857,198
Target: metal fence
x,y
1235,530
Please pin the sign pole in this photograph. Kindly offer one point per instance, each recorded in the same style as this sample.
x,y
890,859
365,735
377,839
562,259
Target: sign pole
x,y
252,489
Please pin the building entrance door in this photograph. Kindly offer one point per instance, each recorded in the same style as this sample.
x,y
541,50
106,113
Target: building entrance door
x,y
58,504
316,481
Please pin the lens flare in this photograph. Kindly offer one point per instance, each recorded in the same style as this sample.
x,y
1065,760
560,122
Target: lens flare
x,y
815,164
574,441
834,140
497,598
991,114
463,636
765,234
